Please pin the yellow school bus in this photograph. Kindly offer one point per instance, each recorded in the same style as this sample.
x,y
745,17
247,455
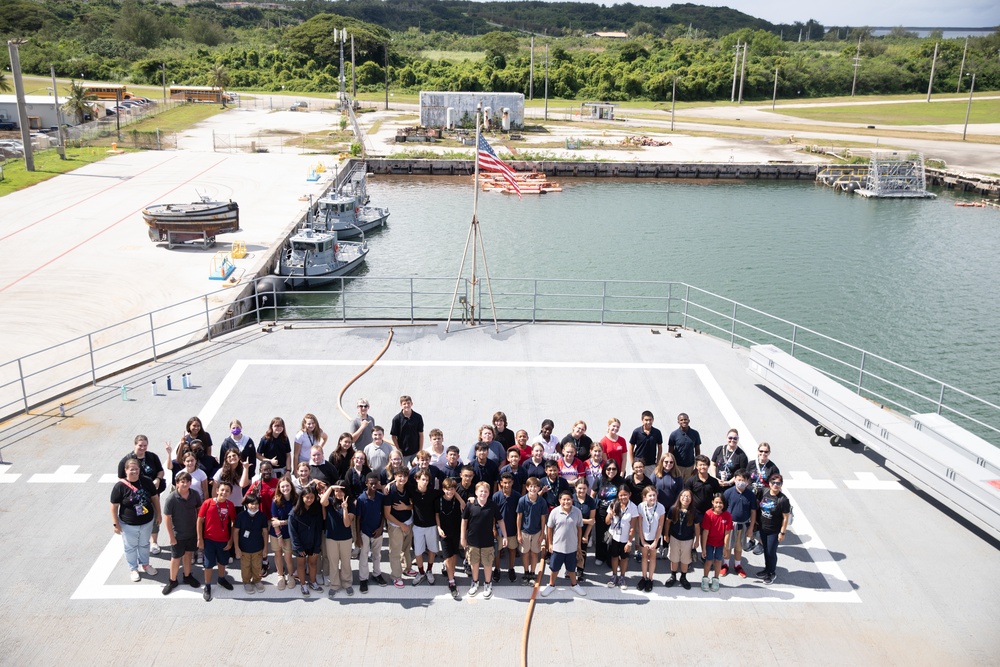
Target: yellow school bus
x,y
105,91
196,93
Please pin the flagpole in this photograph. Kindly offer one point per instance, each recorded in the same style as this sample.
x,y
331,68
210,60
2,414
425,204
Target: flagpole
x,y
472,228
475,222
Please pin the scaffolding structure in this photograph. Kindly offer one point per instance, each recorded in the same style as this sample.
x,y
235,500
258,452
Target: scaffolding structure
x,y
895,176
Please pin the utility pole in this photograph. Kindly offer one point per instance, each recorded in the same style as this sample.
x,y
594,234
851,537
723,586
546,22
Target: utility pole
x,y
118,114
354,70
387,76
930,85
743,70
59,117
736,67
774,97
857,64
546,116
163,79
342,36
531,71
968,109
22,112
961,70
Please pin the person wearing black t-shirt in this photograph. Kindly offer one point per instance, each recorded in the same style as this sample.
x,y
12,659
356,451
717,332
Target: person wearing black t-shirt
x,y
448,514
150,468
399,517
774,511
479,530
503,434
728,458
702,487
425,537
407,430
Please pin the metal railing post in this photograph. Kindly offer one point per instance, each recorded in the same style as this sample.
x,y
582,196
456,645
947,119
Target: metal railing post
x,y
93,369
208,318
411,300
670,301
24,390
604,298
534,299
343,301
687,298
732,328
940,399
152,335
795,330
256,301
861,371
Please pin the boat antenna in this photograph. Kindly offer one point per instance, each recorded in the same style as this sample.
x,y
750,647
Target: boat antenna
x,y
475,238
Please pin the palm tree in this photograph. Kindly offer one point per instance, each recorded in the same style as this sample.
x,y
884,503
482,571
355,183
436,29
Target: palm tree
x,y
78,101
4,83
218,77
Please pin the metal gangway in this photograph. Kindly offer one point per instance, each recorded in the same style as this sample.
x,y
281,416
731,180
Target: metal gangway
x,y
895,176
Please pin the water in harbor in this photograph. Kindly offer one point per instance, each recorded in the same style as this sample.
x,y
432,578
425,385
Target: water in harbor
x,y
912,280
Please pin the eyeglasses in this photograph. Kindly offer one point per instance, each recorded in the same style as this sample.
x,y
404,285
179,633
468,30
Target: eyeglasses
x,y
775,483
764,451
362,405
668,463
733,438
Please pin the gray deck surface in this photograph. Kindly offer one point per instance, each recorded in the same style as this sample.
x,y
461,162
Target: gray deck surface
x,y
871,573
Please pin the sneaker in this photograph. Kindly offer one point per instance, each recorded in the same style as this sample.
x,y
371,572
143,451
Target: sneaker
x,y
526,579
259,586
349,591
749,545
305,591
453,589
770,579
473,589
511,577
685,583
496,573
430,577
546,591
331,592
290,580
715,584
149,570
398,583
622,585
169,586
316,587
613,581
281,582
579,591
225,583
758,549
249,589
207,595
411,572
488,593
723,571
740,571
134,575
649,585
661,553
705,583
154,548
598,562
364,587
671,582
199,558
420,578
762,574
191,581
381,580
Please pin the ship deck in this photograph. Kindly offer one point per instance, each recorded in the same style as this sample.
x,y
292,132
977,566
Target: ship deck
x,y
872,572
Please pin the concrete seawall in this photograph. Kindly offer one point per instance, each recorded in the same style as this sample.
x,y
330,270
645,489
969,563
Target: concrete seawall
x,y
727,170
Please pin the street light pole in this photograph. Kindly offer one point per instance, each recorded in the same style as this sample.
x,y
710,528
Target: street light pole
x,y
22,111
61,149
774,98
968,109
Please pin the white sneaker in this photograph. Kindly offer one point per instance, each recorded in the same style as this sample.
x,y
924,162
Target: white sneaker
x,y
154,548
579,591
259,586
430,577
249,589
546,591
149,570
473,589
134,575
281,582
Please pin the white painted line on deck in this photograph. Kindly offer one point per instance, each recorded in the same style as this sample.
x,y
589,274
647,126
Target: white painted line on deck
x,y
801,479
108,478
6,478
867,481
62,475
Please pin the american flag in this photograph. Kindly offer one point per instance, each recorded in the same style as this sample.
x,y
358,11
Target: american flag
x,y
489,161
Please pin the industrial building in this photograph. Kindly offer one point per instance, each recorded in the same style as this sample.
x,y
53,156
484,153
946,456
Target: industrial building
x,y
453,109
41,110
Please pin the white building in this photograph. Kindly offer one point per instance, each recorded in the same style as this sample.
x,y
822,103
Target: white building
x,y
434,108
41,111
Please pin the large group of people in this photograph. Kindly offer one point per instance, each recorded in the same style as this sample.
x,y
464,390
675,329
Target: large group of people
x,y
309,506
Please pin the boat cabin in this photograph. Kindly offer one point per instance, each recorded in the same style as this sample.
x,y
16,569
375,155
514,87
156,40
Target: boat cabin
x,y
312,244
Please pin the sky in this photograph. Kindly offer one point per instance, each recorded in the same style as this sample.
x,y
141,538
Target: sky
x,y
911,13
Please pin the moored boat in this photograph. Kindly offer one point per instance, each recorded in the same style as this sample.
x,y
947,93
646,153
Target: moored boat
x,y
345,215
315,257
198,220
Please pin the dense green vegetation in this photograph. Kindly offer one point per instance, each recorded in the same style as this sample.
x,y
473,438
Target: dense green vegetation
x,y
295,49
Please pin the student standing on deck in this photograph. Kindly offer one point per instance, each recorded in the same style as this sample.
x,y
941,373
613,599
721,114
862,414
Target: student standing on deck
x,y
407,430
685,444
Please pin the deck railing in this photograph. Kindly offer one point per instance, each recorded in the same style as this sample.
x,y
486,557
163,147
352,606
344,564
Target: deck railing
x,y
33,380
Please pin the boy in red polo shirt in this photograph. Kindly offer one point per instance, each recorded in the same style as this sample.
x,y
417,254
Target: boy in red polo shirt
x,y
716,527
215,535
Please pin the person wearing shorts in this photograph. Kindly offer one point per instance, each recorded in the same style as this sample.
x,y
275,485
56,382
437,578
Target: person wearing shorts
x,y
180,516
680,526
215,524
564,530
448,515
741,502
281,541
480,519
716,528
425,537
531,508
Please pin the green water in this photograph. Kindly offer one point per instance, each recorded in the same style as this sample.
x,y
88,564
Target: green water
x,y
911,280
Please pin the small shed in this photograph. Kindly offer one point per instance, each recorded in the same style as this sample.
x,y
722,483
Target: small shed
x,y
41,110
598,110
435,106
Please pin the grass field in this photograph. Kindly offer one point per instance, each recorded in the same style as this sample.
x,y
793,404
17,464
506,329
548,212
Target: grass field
x,y
179,118
453,56
47,165
911,113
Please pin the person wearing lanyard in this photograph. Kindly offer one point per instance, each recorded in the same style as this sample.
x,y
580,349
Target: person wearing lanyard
x,y
135,509
622,519
651,515
774,512
727,459
760,472
310,435
742,505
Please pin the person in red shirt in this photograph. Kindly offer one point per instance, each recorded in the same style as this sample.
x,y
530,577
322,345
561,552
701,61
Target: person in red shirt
x,y
614,446
716,527
215,528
